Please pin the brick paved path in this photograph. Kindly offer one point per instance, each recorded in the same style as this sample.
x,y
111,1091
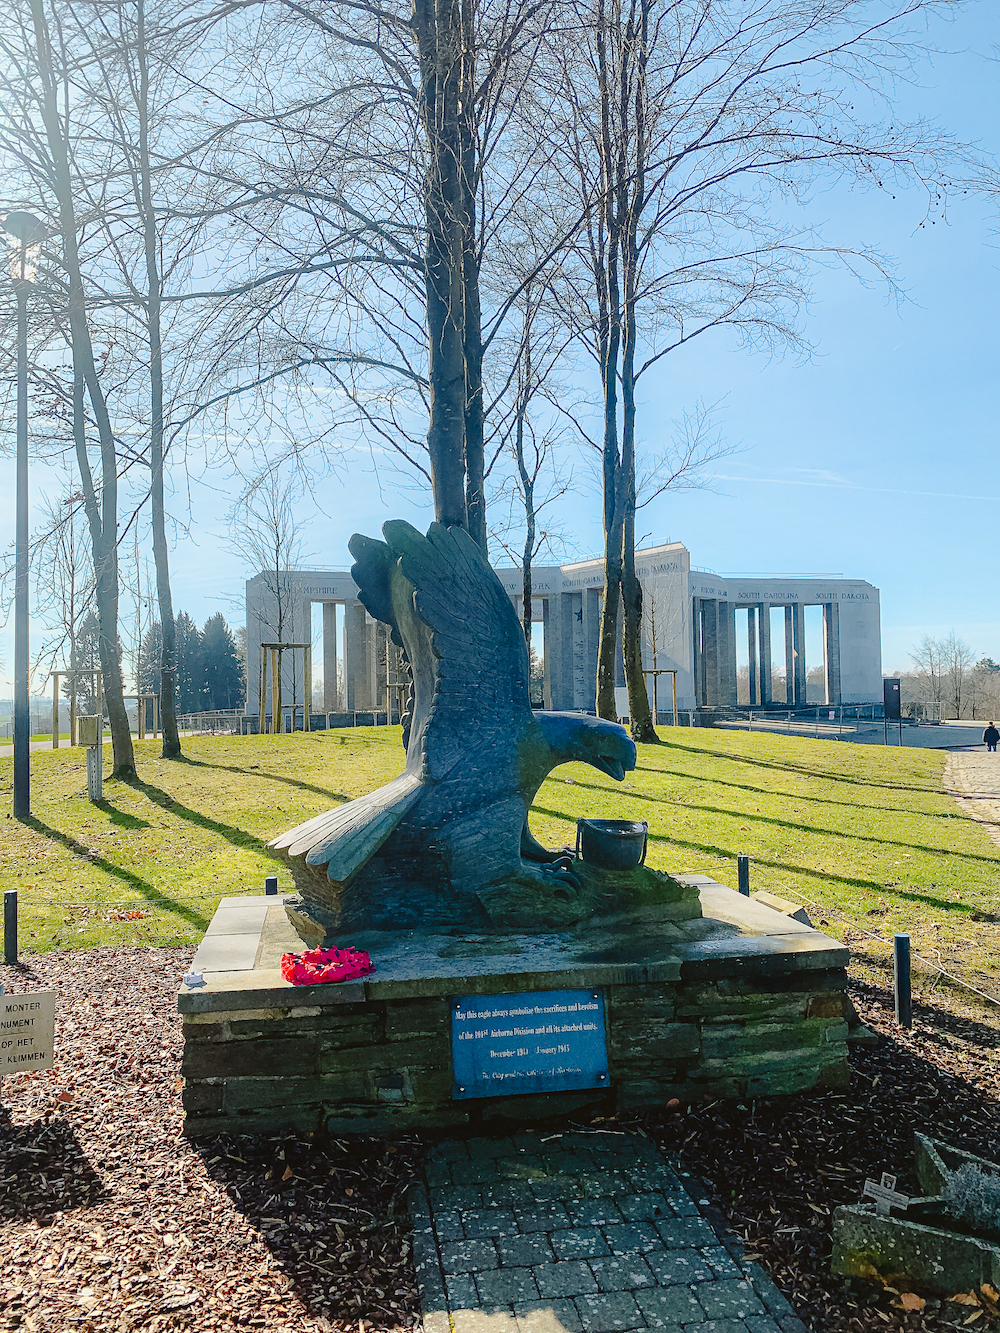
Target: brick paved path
x,y
579,1232
973,778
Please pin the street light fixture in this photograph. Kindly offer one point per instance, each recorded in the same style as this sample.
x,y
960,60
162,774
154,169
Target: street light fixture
x,y
24,232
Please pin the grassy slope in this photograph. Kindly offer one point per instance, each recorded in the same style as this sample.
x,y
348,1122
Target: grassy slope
x,y
861,830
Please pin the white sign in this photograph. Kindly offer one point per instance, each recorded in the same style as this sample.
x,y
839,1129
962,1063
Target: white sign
x,y
27,1027
886,1195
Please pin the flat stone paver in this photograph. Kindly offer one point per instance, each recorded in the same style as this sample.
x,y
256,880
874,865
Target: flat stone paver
x,y
579,1232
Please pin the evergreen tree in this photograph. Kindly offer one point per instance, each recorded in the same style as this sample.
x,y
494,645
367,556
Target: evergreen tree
x,y
150,652
190,667
223,683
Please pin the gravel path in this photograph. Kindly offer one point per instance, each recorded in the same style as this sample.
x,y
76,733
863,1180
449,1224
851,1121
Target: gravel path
x,y
110,1220
973,778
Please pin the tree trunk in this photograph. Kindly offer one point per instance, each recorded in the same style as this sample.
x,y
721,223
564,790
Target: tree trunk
x,y
439,46
101,515
475,480
168,635
608,282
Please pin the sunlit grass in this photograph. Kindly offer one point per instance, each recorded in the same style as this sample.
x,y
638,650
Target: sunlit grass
x,y
861,830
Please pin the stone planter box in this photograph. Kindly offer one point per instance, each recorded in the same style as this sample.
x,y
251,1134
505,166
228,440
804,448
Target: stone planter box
x,y
740,1003
943,1262
927,1254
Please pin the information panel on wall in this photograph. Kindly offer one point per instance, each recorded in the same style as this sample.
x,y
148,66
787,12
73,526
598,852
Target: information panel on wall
x,y
537,1041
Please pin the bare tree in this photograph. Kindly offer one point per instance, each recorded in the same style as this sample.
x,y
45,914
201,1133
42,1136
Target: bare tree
x,y
37,134
64,582
529,438
266,532
682,121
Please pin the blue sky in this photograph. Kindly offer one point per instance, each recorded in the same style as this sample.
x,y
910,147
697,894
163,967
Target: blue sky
x,y
877,459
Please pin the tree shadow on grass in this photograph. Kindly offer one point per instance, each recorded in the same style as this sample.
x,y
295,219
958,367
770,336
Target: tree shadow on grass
x,y
238,837
803,796
147,890
336,796
121,817
758,817
44,1171
725,854
802,770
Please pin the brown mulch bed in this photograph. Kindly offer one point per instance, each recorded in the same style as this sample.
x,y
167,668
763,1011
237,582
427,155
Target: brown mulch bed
x,y
111,1220
777,1169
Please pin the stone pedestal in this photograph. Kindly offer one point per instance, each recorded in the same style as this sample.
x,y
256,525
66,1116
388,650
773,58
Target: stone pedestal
x,y
740,1003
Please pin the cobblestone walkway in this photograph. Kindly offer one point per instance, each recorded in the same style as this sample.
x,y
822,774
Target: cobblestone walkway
x,y
579,1232
973,778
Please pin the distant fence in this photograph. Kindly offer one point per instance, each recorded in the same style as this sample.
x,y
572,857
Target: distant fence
x,y
237,722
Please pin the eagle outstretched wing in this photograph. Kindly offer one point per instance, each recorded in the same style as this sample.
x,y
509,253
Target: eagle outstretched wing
x,y
344,838
461,635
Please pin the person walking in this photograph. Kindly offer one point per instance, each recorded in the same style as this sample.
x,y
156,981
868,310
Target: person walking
x,y
990,738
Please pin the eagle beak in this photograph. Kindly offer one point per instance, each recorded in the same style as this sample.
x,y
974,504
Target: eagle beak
x,y
613,767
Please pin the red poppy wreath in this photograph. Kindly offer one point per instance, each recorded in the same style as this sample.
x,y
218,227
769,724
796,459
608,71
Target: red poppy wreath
x,y
317,967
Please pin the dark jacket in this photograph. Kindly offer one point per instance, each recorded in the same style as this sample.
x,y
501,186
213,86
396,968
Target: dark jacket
x,y
991,736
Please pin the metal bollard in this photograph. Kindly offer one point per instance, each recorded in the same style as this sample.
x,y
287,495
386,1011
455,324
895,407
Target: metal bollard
x,y
901,980
271,884
743,875
10,926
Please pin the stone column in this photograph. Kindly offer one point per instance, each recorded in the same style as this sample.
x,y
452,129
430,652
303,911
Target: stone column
x,y
591,607
799,645
710,650
789,655
697,655
764,642
331,701
831,651
727,654
356,655
752,661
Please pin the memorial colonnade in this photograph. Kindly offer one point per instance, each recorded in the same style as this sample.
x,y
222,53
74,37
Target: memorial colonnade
x,y
715,631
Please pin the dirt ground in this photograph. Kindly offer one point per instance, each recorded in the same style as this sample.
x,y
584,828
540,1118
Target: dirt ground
x,y
111,1220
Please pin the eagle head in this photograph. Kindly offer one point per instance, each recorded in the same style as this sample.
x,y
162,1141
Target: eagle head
x,y
578,738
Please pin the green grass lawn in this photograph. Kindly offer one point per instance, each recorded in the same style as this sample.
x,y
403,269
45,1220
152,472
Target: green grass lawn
x,y
865,832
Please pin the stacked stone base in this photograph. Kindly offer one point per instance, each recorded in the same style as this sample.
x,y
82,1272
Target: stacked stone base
x,y
698,1010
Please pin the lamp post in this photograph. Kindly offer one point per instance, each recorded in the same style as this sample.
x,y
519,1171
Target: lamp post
x,y
24,231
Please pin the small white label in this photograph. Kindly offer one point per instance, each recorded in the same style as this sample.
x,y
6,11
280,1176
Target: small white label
x,y
886,1195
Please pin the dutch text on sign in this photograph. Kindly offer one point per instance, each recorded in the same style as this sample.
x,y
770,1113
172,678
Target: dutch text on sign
x,y
544,1041
27,1027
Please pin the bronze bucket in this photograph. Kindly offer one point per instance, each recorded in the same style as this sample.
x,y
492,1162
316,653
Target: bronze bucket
x,y
612,844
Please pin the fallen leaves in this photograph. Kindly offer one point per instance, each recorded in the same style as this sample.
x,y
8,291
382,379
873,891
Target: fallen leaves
x,y
909,1300
781,1167
110,1220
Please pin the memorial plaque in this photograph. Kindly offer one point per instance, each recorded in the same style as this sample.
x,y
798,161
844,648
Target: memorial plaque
x,y
538,1041
27,1025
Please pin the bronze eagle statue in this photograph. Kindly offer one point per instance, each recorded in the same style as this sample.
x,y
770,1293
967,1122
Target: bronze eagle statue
x,y
446,843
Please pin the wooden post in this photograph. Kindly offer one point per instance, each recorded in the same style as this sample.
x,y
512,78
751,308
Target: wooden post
x,y
674,676
308,680
156,719
275,697
55,710
263,691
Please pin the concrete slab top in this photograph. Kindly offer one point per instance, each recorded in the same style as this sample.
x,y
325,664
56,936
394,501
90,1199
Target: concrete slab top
x,y
735,936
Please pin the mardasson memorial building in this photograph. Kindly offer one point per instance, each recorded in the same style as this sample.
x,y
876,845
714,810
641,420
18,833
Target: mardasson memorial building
x,y
695,623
